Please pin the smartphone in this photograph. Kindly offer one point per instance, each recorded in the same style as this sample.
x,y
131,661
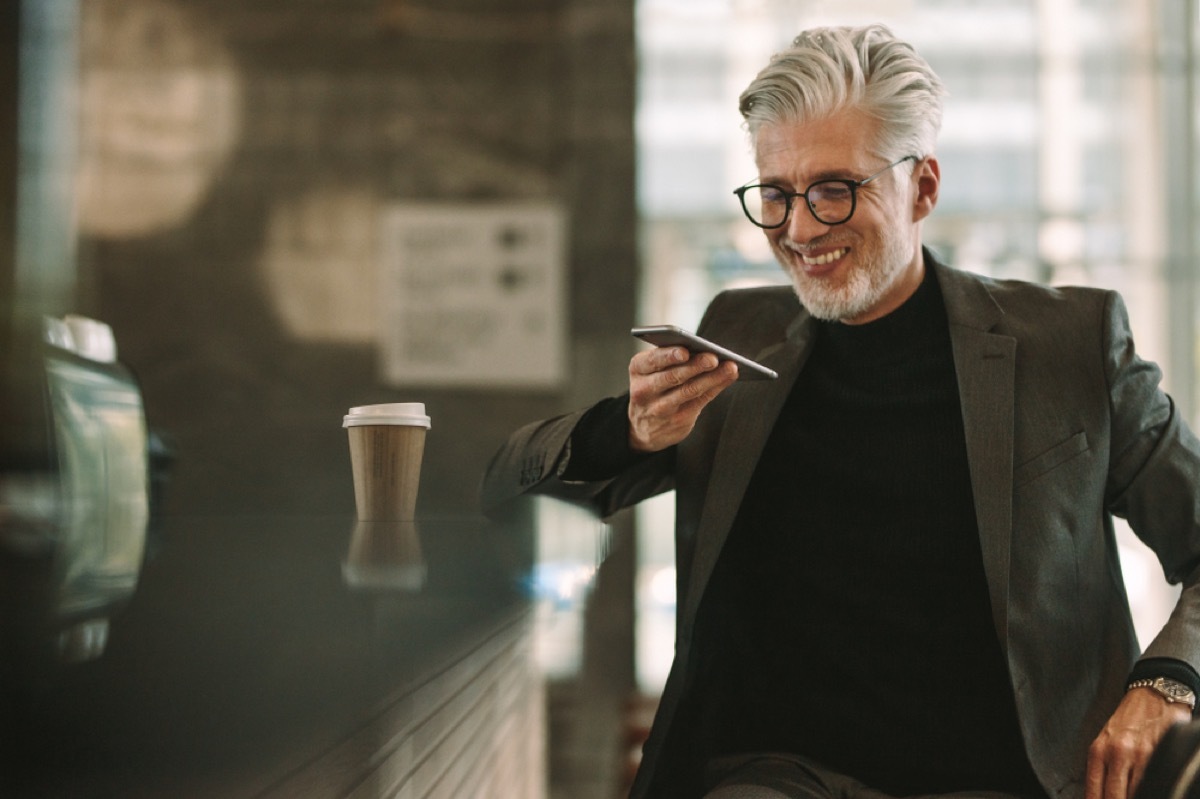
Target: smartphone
x,y
671,336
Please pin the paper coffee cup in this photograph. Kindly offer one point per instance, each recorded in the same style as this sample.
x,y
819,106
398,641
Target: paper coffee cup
x,y
387,443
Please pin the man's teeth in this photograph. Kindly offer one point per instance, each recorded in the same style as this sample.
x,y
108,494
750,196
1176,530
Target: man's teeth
x,y
824,259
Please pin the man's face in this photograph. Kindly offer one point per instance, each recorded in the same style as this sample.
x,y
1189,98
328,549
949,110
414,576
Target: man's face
x,y
866,267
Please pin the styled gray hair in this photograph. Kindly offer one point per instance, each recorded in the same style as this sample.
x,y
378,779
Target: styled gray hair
x,y
826,70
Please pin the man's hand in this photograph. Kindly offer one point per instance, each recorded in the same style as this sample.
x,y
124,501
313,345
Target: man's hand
x,y
667,391
1117,758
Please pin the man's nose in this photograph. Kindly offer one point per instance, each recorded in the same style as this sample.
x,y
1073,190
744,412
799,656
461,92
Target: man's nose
x,y
802,225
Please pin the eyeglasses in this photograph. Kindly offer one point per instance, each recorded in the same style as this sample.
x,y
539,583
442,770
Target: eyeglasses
x,y
831,202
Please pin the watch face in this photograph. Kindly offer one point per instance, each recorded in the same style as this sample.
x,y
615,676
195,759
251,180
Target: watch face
x,y
1175,689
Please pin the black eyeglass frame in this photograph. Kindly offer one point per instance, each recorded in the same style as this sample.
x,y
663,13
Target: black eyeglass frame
x,y
789,196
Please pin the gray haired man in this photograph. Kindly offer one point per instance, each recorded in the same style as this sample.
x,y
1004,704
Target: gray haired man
x,y
897,573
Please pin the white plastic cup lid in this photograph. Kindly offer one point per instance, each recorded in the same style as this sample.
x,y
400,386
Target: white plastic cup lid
x,y
398,413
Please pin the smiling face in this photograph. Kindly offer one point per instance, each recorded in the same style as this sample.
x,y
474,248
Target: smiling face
x,y
864,268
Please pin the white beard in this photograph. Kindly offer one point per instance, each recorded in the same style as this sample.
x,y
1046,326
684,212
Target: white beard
x,y
878,266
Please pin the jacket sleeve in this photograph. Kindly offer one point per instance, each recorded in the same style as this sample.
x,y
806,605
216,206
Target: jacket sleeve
x,y
1154,481
533,462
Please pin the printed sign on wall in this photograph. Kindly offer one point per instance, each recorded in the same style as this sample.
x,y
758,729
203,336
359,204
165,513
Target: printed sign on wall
x,y
473,296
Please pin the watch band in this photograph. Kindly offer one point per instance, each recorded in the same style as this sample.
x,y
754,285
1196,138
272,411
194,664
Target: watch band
x,y
1170,690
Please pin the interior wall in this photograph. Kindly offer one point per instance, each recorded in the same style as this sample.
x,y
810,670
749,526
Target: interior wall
x,y
235,158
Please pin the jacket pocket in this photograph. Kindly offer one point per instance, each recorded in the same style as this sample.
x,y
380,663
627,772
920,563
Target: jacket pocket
x,y
1055,456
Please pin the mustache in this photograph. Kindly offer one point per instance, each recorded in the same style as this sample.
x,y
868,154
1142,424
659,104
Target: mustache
x,y
822,243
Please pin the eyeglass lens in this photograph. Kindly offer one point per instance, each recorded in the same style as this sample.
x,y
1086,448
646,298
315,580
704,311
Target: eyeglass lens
x,y
831,202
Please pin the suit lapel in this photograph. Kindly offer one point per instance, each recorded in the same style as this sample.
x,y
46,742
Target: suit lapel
x,y
986,366
748,423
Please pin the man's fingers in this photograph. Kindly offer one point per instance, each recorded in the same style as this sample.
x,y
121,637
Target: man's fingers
x,y
1116,783
1094,784
1107,773
658,359
686,400
661,418
666,360
1117,758
702,385
668,369
1135,777
703,390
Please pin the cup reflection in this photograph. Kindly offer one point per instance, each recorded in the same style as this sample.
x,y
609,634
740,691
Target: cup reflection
x,y
385,556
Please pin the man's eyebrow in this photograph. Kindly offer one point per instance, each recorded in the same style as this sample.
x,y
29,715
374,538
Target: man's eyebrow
x,y
825,174
832,174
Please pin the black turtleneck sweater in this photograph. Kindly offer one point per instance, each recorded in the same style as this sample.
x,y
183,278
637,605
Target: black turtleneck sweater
x,y
848,617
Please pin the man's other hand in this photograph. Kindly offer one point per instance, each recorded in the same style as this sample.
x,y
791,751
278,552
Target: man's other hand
x,y
667,391
1117,758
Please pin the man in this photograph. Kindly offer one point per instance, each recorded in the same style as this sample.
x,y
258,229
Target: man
x,y
896,567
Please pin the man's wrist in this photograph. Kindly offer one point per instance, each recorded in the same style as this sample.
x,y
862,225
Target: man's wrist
x,y
1170,690
599,444
1168,667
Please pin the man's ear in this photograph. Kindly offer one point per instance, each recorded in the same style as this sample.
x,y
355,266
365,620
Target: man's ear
x,y
928,176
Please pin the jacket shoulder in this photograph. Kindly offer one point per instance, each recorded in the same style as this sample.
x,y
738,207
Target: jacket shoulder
x,y
1024,291
1018,304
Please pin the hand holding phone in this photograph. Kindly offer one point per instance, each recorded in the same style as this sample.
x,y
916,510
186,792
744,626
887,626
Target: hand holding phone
x,y
671,336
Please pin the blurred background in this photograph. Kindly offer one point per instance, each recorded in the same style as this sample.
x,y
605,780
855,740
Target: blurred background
x,y
282,208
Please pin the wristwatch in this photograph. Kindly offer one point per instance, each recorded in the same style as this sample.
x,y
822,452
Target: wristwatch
x,y
1168,689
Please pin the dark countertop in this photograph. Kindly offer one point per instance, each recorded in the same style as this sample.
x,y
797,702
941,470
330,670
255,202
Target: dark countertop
x,y
248,645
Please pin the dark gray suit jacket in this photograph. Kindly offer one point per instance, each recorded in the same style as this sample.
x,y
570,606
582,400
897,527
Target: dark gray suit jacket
x,y
1065,427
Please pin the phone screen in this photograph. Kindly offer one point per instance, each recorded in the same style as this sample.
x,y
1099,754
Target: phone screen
x,y
671,336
